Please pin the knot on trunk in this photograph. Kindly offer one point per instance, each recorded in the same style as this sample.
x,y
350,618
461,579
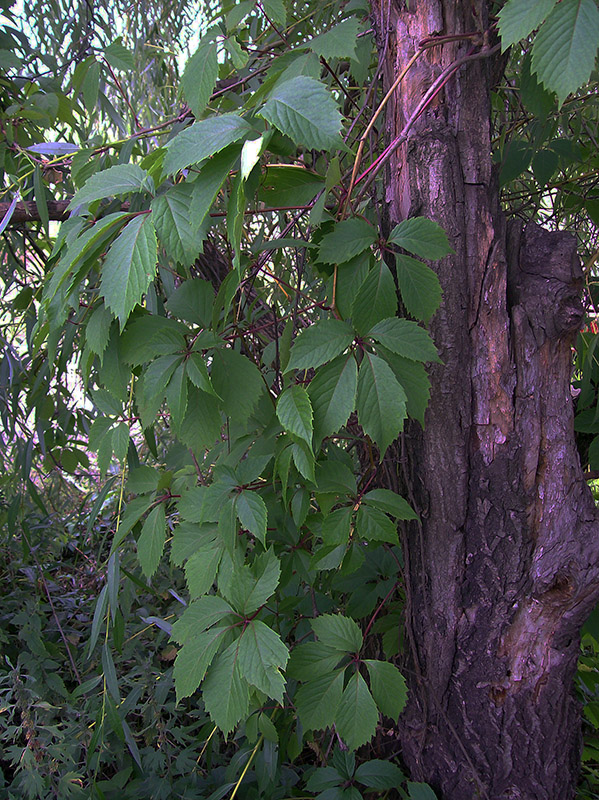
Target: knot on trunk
x,y
545,279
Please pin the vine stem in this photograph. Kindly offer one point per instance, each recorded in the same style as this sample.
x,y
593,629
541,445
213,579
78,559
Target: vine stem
x,y
376,165
247,766
370,125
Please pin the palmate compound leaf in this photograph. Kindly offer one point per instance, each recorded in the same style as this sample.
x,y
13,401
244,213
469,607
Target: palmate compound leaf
x,y
247,588
238,381
375,526
181,239
375,300
225,693
262,655
199,616
320,343
317,700
421,236
338,632
349,238
194,658
251,513
414,379
201,569
564,50
200,75
338,42
357,715
388,687
381,401
129,267
419,286
119,179
294,411
379,774
203,139
304,109
151,541
390,503
405,338
311,660
518,18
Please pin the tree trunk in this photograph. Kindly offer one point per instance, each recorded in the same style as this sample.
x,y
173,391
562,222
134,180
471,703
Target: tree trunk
x,y
504,568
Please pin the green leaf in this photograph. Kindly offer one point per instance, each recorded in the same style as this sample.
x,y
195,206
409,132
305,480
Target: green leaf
x,y
421,236
390,502
357,715
151,541
378,774
129,267
97,330
225,694
518,18
246,587
320,343
198,373
565,48
201,426
193,301
388,687
375,300
333,395
203,139
303,109
294,411
375,526
348,239
336,527
381,401
176,395
120,179
312,660
119,57
544,164
209,182
194,658
120,441
276,11
181,239
238,381
405,338
188,538
324,778
262,655
81,247
152,387
317,700
199,616
97,432
412,376
201,569
421,791
251,513
303,458
339,42
338,632
419,286
150,336
200,75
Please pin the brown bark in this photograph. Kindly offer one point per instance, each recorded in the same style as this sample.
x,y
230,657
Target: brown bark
x,y
504,568
27,211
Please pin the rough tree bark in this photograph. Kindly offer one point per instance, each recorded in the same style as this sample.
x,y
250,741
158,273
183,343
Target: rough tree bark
x,y
504,568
